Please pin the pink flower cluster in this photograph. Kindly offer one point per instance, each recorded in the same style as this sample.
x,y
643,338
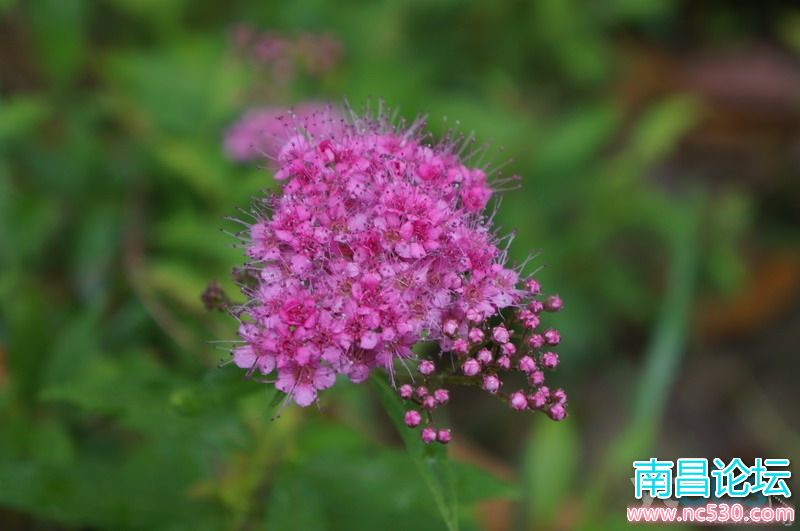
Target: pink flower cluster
x,y
378,241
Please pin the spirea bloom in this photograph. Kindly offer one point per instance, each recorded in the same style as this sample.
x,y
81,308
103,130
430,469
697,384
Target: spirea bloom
x,y
378,240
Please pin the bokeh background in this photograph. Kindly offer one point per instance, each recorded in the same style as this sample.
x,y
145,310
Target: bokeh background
x,y
659,144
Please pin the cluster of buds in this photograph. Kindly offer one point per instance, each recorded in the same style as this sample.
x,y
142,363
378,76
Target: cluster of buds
x,y
425,402
485,356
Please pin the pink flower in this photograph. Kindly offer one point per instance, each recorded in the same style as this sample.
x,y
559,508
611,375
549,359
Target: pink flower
x,y
303,382
378,240
369,340
298,311
475,197
247,358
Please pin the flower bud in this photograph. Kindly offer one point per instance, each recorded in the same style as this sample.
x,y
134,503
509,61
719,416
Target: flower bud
x,y
553,303
484,356
471,367
441,396
429,402
538,399
557,412
526,364
536,378
518,401
500,334
536,341
559,396
552,337
474,315
549,360
443,436
533,286
476,335
450,327
412,418
491,383
532,321
460,346
428,435
406,391
426,367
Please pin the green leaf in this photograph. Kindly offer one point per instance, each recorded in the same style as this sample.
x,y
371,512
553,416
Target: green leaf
x,y
351,484
19,115
218,389
58,33
475,484
581,135
295,504
662,126
430,459
178,281
551,459
196,167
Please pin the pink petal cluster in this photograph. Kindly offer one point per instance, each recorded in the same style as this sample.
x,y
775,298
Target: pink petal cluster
x,y
378,241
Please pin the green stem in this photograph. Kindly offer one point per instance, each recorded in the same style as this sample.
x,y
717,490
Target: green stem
x,y
661,360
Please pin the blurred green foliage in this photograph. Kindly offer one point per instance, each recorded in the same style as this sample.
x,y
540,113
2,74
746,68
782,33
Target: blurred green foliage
x,y
113,190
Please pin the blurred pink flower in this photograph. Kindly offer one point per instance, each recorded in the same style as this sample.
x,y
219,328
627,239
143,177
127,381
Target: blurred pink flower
x,y
261,133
